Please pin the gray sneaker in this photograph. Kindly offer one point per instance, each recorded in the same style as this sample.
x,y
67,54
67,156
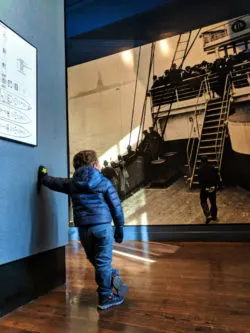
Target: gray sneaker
x,y
107,302
120,287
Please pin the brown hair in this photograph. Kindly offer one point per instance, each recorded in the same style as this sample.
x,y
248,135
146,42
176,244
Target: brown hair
x,y
85,158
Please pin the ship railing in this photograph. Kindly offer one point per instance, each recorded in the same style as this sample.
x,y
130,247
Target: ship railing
x,y
195,132
241,75
224,114
168,94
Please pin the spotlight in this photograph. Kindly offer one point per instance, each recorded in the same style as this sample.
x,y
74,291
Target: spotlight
x,y
127,57
164,46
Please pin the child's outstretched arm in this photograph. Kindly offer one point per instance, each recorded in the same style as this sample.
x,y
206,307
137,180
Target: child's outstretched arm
x,y
56,184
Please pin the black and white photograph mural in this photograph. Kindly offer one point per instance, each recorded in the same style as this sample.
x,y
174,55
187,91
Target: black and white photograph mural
x,y
174,123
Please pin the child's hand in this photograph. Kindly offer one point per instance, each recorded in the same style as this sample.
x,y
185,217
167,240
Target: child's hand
x,y
118,234
42,172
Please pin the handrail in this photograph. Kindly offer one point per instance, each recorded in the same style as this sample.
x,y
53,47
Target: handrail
x,y
246,62
225,107
191,141
228,105
185,81
169,94
241,78
199,137
172,97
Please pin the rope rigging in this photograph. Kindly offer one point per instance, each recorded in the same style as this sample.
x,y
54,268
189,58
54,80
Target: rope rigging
x,y
144,109
133,108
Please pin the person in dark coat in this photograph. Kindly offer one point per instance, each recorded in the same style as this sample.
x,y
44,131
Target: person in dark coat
x,y
123,176
187,73
175,75
209,183
155,141
144,145
95,203
155,82
109,173
129,155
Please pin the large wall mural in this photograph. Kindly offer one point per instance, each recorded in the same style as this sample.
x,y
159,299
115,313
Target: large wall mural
x,y
198,102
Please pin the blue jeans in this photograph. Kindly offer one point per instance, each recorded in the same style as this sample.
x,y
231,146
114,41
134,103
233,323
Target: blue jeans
x,y
97,241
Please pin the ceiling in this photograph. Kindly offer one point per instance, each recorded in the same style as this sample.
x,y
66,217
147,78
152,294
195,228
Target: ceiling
x,y
87,15
97,28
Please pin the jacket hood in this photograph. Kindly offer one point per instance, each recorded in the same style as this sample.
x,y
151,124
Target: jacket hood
x,y
87,177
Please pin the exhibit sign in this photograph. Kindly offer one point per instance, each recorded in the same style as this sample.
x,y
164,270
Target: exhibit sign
x,y
18,88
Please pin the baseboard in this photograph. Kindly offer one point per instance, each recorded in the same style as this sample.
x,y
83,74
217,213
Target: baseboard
x,y
209,233
26,279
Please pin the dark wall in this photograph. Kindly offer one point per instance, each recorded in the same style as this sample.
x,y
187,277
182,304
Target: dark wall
x,y
23,280
31,223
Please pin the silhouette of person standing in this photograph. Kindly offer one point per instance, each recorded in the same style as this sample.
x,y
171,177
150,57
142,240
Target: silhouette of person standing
x,y
123,175
144,145
109,172
129,155
209,182
155,141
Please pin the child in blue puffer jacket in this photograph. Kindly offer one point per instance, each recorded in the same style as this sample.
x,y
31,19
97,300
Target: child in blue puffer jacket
x,y
95,203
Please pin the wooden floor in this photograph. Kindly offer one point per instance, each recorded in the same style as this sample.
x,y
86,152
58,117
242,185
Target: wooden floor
x,y
187,287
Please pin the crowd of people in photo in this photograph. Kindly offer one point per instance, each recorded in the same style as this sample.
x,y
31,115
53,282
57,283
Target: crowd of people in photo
x,y
191,76
117,171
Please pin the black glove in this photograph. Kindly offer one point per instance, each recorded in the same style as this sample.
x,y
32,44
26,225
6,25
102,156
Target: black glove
x,y
118,234
42,172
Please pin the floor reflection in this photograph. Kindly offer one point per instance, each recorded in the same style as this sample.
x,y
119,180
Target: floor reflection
x,y
191,287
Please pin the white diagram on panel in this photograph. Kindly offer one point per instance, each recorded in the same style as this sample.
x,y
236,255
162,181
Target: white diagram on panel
x,y
17,87
12,115
13,100
13,130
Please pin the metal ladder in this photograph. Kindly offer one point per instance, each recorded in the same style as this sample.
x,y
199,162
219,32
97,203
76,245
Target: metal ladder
x,y
182,48
211,140
181,51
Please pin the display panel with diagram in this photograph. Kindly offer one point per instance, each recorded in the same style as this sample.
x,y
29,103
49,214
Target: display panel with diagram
x,y
18,88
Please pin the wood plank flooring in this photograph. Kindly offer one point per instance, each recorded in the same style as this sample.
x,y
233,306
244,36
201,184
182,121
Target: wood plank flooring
x,y
174,287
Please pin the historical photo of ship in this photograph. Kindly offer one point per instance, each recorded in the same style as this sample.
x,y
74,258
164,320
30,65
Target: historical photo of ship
x,y
201,112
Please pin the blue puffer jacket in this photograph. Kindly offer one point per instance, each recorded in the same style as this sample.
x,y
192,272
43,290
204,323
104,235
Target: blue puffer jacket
x,y
94,198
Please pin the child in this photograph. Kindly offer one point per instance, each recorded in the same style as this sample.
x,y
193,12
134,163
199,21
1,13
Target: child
x,y
95,204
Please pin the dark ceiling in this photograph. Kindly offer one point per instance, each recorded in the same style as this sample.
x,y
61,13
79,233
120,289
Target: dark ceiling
x,y
97,28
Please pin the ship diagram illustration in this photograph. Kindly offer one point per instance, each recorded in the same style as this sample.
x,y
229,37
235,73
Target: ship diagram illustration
x,y
13,130
12,100
13,115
